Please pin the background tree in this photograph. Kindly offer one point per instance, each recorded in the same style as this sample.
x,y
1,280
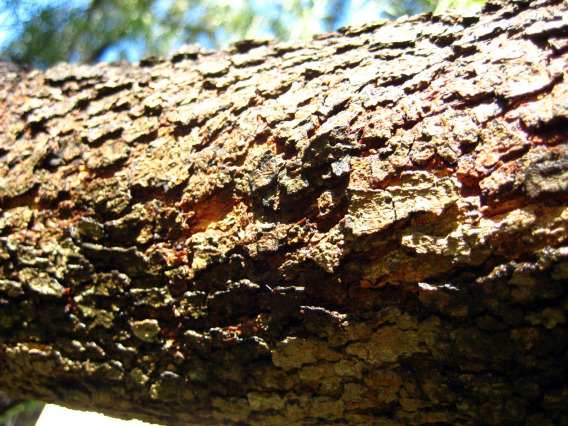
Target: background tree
x,y
44,33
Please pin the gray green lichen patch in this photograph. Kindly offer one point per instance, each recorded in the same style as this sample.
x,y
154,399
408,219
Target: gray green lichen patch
x,y
95,317
112,370
171,387
294,353
41,283
11,288
372,211
107,155
147,330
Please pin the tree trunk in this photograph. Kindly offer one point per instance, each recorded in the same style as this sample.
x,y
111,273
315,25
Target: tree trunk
x,y
366,228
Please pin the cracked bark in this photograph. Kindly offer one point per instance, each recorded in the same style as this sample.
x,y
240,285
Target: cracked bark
x,y
369,227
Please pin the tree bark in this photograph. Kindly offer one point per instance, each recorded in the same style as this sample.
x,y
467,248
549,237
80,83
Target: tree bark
x,y
366,228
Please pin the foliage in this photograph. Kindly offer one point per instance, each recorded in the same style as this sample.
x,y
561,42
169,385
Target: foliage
x,y
23,414
46,32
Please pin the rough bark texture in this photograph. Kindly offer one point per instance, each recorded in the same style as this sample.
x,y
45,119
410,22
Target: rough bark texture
x,y
370,227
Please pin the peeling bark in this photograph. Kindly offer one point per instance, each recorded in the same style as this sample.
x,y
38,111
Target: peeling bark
x,y
367,228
